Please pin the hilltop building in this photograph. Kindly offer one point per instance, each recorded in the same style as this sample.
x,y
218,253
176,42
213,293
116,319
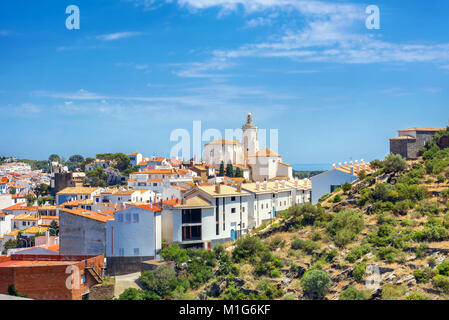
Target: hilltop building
x,y
409,141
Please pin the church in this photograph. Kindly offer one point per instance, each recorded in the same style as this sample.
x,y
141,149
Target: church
x,y
263,164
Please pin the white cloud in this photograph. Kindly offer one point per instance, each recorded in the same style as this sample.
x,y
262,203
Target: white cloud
x,y
204,69
396,92
332,32
117,36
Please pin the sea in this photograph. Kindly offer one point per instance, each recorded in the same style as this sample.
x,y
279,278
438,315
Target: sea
x,y
312,166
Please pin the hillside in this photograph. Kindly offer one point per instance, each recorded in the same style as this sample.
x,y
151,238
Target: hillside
x,y
390,228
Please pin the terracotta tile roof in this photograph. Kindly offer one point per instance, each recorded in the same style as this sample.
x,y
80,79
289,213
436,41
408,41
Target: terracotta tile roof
x,y
223,142
78,190
17,206
35,229
26,217
133,154
50,217
266,153
224,190
403,138
153,207
421,129
88,214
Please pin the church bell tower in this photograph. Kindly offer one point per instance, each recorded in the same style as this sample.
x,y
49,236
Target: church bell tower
x,y
249,139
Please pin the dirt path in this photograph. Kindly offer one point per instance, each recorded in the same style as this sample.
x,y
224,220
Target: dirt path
x,y
124,282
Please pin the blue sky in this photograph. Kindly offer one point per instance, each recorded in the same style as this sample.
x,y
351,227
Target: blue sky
x,y
138,69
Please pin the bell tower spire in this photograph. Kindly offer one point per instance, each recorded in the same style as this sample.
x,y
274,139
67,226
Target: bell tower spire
x,y
250,141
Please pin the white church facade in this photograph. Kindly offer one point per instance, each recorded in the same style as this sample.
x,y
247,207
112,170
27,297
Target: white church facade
x,y
264,164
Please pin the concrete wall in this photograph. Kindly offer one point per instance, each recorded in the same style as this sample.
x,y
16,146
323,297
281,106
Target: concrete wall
x,y
123,265
79,235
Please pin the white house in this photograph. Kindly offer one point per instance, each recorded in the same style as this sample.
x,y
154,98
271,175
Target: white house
x,y
135,158
328,181
5,223
208,215
121,196
76,193
135,232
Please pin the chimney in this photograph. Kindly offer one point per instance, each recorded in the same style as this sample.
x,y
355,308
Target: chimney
x,y
339,164
277,184
258,186
239,187
352,170
283,183
334,166
217,188
296,182
265,184
346,163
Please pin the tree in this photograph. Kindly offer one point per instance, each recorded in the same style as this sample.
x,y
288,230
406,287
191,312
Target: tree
x,y
229,170
10,244
361,175
54,229
30,199
346,187
394,163
222,172
96,177
238,173
316,282
54,158
77,158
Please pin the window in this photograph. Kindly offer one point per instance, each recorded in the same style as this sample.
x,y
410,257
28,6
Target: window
x,y
121,252
135,217
266,206
120,217
232,198
136,251
154,184
128,217
232,210
243,209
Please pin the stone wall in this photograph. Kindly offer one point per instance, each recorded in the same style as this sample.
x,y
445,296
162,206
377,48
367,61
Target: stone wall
x,y
102,292
399,147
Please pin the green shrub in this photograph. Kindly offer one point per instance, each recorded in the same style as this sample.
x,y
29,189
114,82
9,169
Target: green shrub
x,y
443,268
424,275
428,208
247,249
269,290
394,163
357,252
316,282
387,254
417,296
344,226
162,281
392,292
307,245
441,282
175,253
351,293
359,271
